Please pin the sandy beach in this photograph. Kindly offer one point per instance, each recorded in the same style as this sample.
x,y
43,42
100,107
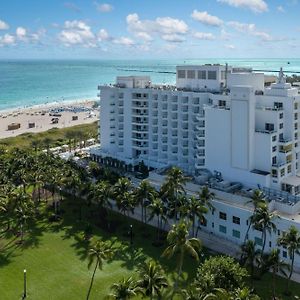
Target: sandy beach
x,y
44,117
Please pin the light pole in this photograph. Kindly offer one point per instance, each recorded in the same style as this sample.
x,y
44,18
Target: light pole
x,y
25,285
131,237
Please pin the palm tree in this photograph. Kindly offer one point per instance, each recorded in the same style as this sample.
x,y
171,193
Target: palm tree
x,y
180,245
100,251
238,294
157,209
23,211
290,240
249,256
195,209
144,194
263,220
122,192
125,289
273,262
258,201
153,279
174,186
205,196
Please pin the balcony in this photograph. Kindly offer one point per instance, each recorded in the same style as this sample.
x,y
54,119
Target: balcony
x,y
278,164
265,131
285,141
200,146
286,149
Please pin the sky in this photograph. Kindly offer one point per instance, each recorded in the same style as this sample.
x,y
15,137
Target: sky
x,y
149,29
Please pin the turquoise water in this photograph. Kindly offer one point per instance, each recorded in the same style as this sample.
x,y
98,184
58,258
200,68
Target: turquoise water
x,y
26,83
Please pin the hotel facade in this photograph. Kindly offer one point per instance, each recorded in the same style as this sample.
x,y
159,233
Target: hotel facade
x,y
220,124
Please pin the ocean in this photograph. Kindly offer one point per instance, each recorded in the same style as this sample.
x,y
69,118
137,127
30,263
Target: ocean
x,y
32,82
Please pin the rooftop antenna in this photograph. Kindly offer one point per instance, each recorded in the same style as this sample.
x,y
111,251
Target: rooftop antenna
x,y
226,71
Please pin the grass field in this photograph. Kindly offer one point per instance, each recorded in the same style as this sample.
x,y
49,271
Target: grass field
x,y
55,257
53,137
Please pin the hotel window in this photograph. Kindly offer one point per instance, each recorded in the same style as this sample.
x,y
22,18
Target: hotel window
x,y
236,220
274,138
269,127
284,254
296,145
296,136
211,75
222,229
281,137
280,125
281,116
222,216
213,225
282,172
274,173
270,244
289,169
295,105
258,241
295,116
191,74
274,148
278,232
296,166
236,233
222,103
181,74
278,105
201,74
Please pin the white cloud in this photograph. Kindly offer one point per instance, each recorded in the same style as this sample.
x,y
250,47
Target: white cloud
x,y
77,33
103,35
257,6
205,18
167,28
144,36
250,29
7,40
104,7
21,34
225,35
229,46
173,38
204,36
3,25
125,41
72,6
280,9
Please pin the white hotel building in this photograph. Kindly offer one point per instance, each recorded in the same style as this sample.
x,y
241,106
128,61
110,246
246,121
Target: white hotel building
x,y
220,124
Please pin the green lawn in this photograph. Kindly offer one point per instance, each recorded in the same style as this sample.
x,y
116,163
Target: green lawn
x,y
53,137
56,260
55,256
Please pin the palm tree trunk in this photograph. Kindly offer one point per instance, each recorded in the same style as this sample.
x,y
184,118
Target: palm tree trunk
x,y
92,281
193,225
264,237
247,232
143,211
273,283
180,263
158,230
145,214
291,272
